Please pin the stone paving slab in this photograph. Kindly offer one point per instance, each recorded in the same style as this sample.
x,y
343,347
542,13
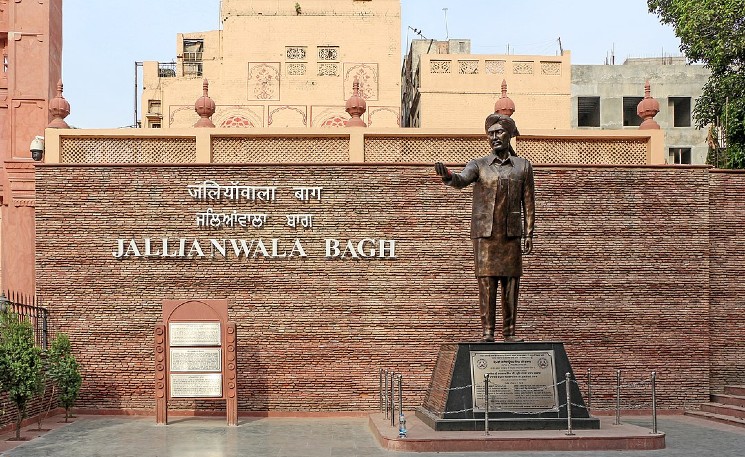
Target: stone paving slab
x,y
125,436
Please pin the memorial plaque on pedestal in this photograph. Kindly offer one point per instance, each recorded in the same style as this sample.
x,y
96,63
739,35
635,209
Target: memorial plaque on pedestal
x,y
194,333
523,390
196,359
195,356
194,385
519,381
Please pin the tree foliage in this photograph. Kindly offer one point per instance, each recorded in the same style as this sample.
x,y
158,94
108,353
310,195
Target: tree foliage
x,y
713,32
22,374
64,371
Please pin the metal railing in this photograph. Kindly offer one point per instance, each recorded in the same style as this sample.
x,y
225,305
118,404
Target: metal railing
x,y
27,307
388,383
167,69
568,382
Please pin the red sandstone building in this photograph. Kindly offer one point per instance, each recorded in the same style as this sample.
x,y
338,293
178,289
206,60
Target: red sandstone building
x,y
31,45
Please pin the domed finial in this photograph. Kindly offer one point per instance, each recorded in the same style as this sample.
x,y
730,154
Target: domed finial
x,y
504,105
356,106
59,108
205,107
647,109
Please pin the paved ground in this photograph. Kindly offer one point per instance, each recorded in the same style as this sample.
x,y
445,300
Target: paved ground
x,y
345,437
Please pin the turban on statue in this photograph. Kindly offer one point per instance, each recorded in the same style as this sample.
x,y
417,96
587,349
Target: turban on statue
x,y
505,121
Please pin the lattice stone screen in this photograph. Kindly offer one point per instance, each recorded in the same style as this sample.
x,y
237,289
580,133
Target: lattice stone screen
x,y
128,150
425,149
583,150
279,150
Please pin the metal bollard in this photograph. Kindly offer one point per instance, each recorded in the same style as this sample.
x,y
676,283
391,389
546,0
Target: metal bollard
x,y
380,389
486,404
400,396
569,403
393,400
385,392
618,398
589,389
654,402
402,432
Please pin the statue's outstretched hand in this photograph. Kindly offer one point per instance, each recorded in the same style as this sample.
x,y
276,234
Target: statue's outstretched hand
x,y
442,170
528,245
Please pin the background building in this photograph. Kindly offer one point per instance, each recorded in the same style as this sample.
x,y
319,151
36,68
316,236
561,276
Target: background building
x,y
283,65
445,86
606,96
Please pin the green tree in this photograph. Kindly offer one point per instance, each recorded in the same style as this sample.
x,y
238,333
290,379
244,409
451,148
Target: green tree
x,y
713,32
22,376
64,371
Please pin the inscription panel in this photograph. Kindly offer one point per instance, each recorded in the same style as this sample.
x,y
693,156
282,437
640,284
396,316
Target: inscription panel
x,y
196,385
194,333
519,381
196,359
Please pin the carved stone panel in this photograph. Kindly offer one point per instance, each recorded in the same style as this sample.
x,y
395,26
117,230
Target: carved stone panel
x,y
263,81
366,74
288,116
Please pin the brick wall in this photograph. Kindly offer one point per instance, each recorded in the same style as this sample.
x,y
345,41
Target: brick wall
x,y
727,195
620,273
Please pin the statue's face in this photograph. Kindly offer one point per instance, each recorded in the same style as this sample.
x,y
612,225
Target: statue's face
x,y
499,138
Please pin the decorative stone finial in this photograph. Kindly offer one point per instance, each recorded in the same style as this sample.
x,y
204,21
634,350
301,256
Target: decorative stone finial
x,y
205,107
504,105
356,106
647,109
59,108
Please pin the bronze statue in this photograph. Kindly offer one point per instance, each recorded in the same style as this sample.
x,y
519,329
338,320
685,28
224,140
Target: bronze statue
x,y
503,213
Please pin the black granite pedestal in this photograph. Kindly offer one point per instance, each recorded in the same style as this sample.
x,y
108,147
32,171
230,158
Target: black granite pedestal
x,y
449,403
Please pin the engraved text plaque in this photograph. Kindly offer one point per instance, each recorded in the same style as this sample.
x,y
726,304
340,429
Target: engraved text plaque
x,y
196,359
519,381
196,385
194,333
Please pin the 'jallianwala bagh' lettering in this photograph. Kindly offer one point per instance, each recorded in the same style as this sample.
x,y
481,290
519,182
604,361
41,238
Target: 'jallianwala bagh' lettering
x,y
273,248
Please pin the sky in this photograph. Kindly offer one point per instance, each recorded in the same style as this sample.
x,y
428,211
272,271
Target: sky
x,y
102,40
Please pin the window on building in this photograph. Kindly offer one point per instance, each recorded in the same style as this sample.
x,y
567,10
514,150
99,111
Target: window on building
x,y
4,47
153,107
193,69
679,156
630,118
193,50
588,111
328,61
296,57
680,111
155,125
193,55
